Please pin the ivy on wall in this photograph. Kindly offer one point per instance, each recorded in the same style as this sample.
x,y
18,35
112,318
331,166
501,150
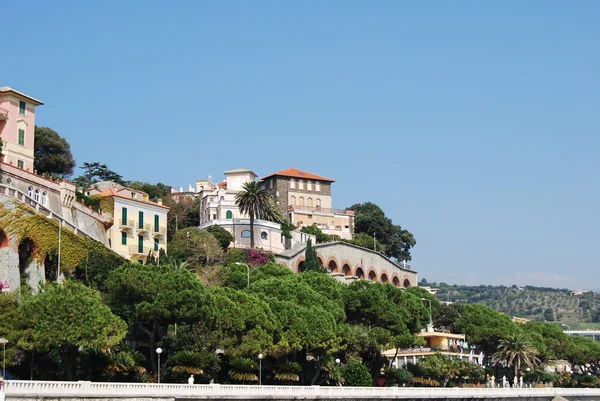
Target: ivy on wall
x,y
80,256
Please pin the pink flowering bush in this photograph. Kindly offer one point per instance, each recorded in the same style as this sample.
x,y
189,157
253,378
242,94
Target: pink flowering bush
x,y
256,257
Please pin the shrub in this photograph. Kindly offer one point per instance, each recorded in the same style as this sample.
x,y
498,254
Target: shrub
x,y
357,375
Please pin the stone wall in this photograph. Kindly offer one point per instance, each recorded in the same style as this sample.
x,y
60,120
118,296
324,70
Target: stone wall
x,y
348,262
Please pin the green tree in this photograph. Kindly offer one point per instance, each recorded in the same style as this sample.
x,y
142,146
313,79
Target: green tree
x,y
243,369
311,262
195,246
95,172
153,297
371,220
254,201
357,375
222,235
366,241
516,350
316,231
69,316
154,191
52,154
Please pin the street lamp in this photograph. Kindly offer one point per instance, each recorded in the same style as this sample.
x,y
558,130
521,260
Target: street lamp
x,y
430,321
60,223
337,361
3,341
567,326
260,357
247,270
158,352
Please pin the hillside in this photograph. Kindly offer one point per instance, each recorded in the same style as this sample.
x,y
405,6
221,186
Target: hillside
x,y
534,303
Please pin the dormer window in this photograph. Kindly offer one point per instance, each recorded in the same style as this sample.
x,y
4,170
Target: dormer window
x,y
133,195
22,107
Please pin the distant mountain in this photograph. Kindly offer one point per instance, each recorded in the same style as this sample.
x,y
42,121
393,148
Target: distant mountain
x,y
534,303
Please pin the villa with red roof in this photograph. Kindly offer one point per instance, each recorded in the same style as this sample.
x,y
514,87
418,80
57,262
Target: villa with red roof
x,y
139,225
306,199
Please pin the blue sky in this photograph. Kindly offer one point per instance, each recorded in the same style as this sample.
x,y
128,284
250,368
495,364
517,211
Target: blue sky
x,y
474,125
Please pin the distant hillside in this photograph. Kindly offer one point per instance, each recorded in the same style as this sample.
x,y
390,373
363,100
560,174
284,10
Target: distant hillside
x,y
534,303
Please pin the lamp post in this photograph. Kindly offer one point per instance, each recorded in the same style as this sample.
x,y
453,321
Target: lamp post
x,y
567,326
60,223
247,271
430,320
3,341
260,357
158,352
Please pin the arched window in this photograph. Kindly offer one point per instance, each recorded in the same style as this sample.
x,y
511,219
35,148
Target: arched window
x,y
318,203
317,186
309,185
309,202
300,184
229,214
30,191
44,198
264,235
37,195
292,200
292,183
246,234
301,201
222,198
9,181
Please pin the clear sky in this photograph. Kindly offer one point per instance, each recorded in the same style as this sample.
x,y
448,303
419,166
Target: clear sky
x,y
474,125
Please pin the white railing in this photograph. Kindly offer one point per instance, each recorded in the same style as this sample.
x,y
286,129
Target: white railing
x,y
22,388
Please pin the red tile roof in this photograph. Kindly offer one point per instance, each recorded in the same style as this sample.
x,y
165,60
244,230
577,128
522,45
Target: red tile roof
x,y
223,184
114,192
295,173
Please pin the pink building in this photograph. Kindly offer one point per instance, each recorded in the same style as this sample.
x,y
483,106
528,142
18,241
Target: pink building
x,y
17,125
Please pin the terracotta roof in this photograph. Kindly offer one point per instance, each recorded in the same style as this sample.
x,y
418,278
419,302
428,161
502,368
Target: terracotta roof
x,y
222,184
114,192
296,173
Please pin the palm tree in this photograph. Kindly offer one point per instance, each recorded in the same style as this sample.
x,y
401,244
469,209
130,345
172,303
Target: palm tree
x,y
288,371
516,350
253,200
243,369
188,362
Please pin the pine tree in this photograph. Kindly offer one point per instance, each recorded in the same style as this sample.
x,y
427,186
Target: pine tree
x,y
311,262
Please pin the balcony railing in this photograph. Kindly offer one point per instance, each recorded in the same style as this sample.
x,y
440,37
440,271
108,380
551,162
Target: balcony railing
x,y
315,209
144,227
3,114
140,250
159,230
126,224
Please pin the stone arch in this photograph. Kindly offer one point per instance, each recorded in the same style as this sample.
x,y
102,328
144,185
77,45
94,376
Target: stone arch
x,y
384,278
51,266
4,242
27,251
359,272
396,280
346,270
372,275
300,264
406,283
301,201
332,266
293,200
309,202
320,259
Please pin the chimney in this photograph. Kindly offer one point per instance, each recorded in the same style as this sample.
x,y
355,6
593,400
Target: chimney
x,y
159,201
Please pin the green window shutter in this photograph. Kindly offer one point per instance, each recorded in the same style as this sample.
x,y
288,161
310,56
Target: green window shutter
x,y
124,216
21,164
156,244
141,220
156,220
229,214
21,137
140,243
124,238
22,107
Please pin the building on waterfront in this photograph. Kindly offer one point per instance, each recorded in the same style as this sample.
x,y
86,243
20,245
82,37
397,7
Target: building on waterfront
x,y
306,199
17,127
453,345
139,226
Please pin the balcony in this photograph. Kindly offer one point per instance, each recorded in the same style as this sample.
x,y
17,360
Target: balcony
x,y
313,209
140,250
3,114
143,228
159,231
126,225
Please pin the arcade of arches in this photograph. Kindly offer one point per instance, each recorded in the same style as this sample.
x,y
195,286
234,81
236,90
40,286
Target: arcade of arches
x,y
348,262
